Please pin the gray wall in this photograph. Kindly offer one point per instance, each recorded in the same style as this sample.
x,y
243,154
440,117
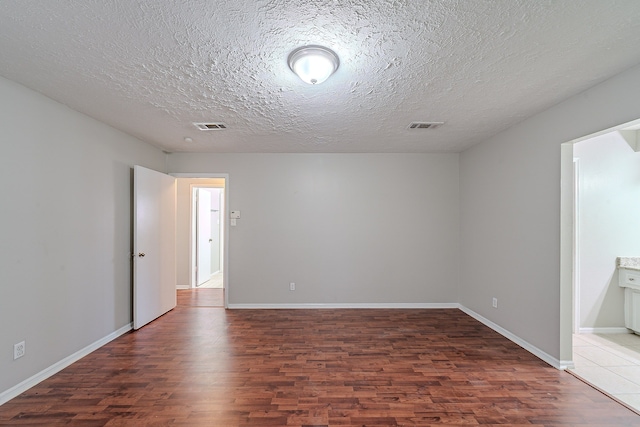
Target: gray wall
x,y
65,275
346,228
510,214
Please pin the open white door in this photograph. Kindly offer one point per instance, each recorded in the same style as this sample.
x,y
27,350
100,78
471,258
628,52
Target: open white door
x,y
204,239
216,245
154,245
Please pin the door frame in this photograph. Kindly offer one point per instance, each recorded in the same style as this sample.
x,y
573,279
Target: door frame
x,y
225,229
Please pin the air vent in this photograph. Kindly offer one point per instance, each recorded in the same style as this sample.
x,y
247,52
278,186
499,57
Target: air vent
x,y
210,126
425,125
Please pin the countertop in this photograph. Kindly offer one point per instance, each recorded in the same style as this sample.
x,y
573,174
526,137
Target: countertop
x,y
631,263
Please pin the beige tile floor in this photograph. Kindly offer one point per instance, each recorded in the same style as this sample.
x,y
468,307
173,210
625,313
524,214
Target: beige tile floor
x,y
610,362
214,282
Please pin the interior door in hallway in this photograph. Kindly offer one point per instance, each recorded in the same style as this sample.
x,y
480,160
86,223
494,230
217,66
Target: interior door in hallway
x,y
216,245
154,245
204,238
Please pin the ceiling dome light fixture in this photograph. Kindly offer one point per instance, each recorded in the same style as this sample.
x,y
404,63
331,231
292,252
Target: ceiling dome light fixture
x,y
313,64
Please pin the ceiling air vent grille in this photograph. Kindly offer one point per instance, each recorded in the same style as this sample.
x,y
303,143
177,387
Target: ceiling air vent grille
x,y
425,125
211,126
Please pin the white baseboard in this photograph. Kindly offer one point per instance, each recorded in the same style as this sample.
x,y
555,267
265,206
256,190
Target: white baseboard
x,y
25,385
183,287
341,305
617,330
565,364
556,363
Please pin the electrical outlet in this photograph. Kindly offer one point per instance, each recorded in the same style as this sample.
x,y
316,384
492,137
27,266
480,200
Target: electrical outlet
x,y
292,286
495,303
19,350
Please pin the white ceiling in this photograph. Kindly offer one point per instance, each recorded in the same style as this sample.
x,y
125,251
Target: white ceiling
x,y
153,67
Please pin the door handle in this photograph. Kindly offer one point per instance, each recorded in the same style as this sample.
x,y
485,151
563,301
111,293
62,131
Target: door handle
x,y
141,254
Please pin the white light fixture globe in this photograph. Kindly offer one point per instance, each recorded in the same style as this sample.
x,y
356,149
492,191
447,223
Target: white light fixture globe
x,y
313,64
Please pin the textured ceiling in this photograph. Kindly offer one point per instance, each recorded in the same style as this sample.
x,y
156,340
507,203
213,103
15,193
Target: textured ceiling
x,y
152,68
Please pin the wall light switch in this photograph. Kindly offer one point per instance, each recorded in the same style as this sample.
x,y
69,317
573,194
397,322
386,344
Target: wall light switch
x,y
235,214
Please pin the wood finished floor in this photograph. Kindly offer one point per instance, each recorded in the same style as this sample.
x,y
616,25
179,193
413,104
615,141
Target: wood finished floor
x,y
204,366
201,297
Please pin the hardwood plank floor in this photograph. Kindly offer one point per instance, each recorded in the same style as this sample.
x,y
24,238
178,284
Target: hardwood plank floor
x,y
201,297
203,366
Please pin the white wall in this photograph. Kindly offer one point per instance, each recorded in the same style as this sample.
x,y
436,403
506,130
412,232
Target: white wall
x,y
65,263
609,218
346,228
510,214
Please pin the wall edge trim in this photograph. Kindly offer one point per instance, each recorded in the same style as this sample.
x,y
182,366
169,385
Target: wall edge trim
x,y
544,356
613,330
25,385
341,305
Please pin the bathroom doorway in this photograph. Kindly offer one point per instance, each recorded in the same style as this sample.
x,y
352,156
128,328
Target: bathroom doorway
x,y
606,193
602,190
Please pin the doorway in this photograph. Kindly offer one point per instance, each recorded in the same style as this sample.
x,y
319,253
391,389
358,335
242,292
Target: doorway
x,y
207,234
604,193
213,204
601,189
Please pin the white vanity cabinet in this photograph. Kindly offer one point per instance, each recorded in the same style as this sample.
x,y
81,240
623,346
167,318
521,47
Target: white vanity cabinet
x,y
629,279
